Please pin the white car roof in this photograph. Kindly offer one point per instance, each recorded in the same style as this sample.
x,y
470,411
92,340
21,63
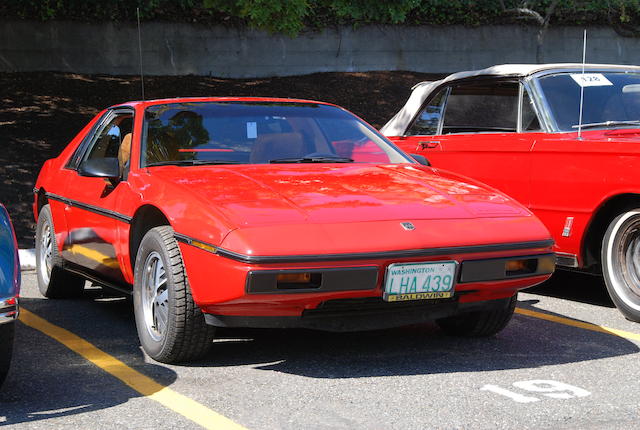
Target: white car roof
x,y
399,123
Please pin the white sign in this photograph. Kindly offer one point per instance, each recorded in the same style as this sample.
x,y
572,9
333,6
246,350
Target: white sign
x,y
252,130
590,79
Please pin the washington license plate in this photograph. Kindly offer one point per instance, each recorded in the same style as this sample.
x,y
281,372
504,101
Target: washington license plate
x,y
420,281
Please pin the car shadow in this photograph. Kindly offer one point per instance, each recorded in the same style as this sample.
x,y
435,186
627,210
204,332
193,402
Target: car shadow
x,y
421,349
575,286
47,380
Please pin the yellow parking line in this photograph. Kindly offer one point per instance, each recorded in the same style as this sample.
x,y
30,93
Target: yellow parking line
x,y
579,324
142,384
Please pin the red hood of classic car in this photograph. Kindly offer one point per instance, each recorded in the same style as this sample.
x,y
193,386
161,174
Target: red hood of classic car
x,y
252,195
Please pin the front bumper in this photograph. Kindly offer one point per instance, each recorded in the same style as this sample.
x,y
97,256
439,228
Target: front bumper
x,y
9,310
370,313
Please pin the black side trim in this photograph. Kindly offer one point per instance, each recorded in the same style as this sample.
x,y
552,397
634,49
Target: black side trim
x,y
90,208
265,259
184,239
91,276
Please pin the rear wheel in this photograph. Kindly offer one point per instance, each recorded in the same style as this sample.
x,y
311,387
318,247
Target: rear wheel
x,y
6,348
480,323
53,280
621,263
171,327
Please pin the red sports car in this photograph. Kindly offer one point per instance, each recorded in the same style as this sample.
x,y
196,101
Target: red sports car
x,y
520,128
254,212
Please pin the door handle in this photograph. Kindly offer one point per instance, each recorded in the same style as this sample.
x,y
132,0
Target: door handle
x,y
428,144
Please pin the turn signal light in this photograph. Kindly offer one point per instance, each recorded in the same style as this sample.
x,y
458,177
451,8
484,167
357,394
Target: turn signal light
x,y
302,280
521,267
294,278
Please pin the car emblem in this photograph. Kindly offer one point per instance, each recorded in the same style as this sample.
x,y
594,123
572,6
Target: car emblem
x,y
408,226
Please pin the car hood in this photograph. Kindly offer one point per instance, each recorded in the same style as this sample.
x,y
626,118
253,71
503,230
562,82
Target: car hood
x,y
328,209
253,195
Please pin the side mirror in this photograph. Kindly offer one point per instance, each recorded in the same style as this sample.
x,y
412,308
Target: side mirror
x,y
107,168
421,159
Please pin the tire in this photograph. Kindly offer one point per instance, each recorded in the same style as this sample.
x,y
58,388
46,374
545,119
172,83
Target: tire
x,y
621,263
171,327
53,281
480,323
6,349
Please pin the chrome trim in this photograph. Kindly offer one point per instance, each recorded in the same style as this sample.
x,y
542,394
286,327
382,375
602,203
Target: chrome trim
x,y
565,259
9,312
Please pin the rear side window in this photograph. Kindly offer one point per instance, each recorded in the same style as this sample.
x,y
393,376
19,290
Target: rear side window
x,y
482,107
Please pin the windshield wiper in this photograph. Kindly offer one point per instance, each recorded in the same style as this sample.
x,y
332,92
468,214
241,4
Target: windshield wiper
x,y
191,162
321,159
606,124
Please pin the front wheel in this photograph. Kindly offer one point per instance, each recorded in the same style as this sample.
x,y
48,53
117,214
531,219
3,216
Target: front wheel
x,y
480,323
171,327
621,263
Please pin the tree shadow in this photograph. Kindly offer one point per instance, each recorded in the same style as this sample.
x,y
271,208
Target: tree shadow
x,y
42,111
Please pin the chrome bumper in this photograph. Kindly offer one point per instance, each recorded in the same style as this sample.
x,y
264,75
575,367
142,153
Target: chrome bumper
x,y
9,310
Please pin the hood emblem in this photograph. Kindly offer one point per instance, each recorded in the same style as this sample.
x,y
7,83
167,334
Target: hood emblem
x,y
408,226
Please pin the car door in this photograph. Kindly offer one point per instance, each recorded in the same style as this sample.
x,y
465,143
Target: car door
x,y
90,202
472,128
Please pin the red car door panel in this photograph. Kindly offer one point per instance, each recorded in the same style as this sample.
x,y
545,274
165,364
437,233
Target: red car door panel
x,y
92,225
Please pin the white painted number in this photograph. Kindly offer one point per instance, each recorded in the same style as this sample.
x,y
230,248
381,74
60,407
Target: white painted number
x,y
510,394
553,389
546,387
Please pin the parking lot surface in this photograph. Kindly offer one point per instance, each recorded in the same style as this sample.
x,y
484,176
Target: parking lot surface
x,y
568,359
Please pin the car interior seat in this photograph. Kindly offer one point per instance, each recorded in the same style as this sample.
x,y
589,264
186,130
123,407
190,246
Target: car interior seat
x,y
277,145
124,153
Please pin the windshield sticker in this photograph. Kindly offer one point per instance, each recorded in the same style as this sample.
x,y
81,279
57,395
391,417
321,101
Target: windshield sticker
x,y
590,79
252,130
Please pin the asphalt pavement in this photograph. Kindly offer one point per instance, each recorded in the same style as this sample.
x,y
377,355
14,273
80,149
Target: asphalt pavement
x,y
568,359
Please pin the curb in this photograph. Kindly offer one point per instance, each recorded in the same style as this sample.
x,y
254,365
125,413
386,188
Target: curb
x,y
27,259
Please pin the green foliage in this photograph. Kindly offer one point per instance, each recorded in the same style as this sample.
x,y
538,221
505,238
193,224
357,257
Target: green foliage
x,y
367,11
282,16
293,16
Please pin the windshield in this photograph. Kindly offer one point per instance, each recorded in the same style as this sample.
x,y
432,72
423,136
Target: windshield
x,y
260,133
611,99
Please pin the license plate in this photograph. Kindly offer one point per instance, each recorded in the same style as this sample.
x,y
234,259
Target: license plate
x,y
420,281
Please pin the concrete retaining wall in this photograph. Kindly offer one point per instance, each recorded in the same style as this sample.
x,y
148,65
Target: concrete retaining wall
x,y
179,49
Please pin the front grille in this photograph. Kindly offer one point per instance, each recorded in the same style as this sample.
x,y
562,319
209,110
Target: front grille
x,y
372,305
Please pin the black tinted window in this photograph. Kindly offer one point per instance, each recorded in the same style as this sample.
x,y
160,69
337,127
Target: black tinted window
x,y
258,133
478,107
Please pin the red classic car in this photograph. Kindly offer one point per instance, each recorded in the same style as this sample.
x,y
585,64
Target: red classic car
x,y
253,212
521,129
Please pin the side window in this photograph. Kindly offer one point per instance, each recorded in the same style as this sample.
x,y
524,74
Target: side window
x,y
482,107
106,143
428,120
530,121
